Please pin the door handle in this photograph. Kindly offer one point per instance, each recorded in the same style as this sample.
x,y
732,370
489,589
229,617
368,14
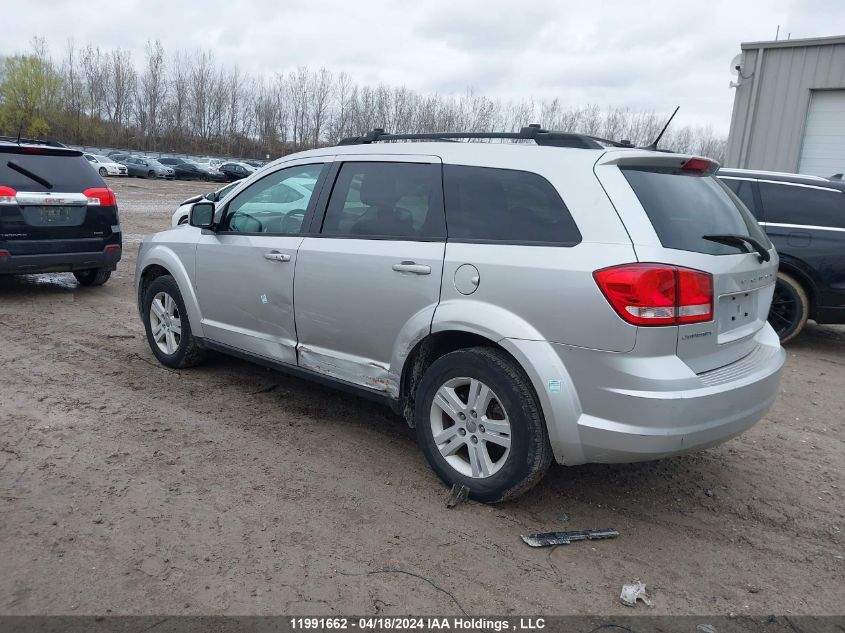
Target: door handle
x,y
275,256
412,267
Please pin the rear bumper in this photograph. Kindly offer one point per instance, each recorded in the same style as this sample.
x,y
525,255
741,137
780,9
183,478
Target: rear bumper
x,y
660,424
57,262
609,407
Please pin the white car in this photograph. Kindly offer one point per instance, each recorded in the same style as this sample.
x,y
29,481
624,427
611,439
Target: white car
x,y
180,216
105,166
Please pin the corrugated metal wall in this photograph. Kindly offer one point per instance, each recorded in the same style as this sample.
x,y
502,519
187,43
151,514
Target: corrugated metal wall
x,y
770,106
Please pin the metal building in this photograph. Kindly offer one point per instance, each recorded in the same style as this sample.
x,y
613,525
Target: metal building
x,y
789,107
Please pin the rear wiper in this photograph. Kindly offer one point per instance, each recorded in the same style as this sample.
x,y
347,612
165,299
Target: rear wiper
x,y
741,240
23,170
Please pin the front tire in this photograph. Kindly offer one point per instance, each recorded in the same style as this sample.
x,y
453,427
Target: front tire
x,y
151,174
479,424
94,277
790,308
103,172
167,326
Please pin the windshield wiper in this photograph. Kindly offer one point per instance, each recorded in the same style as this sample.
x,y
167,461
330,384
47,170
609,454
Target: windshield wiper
x,y
741,240
23,170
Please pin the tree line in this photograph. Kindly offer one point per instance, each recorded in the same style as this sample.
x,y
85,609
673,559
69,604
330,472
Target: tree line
x,y
189,102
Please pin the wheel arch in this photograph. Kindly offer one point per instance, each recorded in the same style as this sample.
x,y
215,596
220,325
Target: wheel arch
x,y
795,268
537,361
158,262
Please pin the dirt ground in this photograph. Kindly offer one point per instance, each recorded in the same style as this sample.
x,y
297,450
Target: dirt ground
x,y
128,488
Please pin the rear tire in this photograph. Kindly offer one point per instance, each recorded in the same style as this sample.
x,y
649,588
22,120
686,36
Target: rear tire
x,y
500,460
167,326
93,277
790,308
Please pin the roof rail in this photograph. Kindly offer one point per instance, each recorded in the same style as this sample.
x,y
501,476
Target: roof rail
x,y
31,141
532,132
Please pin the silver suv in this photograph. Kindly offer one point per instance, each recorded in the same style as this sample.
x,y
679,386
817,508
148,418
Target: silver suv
x,y
516,302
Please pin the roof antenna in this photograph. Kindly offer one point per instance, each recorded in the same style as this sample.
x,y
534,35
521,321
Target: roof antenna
x,y
654,143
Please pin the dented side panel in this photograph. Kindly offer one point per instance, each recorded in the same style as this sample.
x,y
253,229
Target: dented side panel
x,y
357,318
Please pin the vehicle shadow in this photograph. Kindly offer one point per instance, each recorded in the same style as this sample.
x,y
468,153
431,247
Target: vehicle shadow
x,y
658,484
816,337
44,284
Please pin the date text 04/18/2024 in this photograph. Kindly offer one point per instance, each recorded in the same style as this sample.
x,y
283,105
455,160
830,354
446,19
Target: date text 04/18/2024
x,y
420,624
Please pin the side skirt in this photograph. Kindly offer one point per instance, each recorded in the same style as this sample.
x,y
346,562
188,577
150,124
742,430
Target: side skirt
x,y
300,372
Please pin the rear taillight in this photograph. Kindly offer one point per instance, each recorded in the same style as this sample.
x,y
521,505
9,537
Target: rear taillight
x,y
4,254
113,248
657,294
7,195
102,196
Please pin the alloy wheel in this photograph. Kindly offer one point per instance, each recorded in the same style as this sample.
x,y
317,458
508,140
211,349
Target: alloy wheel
x,y
165,323
470,427
786,309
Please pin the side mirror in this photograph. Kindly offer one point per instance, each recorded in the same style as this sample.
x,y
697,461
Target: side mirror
x,y
201,215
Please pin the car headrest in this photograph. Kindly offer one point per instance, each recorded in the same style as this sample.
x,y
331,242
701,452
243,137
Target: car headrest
x,y
378,189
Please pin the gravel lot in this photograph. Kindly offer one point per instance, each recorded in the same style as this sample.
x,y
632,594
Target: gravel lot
x,y
126,487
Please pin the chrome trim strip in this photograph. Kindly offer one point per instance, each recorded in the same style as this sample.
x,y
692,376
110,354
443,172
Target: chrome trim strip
x,y
39,198
798,184
803,226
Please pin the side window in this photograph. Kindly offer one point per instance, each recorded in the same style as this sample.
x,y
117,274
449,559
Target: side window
x,y
373,199
744,190
274,204
505,205
787,204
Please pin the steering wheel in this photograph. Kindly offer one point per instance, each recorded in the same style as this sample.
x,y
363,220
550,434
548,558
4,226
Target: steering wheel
x,y
293,221
246,216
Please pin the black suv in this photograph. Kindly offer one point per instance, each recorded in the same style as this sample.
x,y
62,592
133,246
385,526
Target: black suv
x,y
56,213
804,216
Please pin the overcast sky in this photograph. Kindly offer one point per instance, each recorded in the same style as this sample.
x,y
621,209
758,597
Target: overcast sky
x,y
649,55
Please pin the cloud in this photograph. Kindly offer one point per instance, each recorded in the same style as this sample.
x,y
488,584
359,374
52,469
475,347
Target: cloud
x,y
649,55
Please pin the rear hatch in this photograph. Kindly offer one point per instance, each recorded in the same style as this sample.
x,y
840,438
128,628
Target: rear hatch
x,y
669,203
53,201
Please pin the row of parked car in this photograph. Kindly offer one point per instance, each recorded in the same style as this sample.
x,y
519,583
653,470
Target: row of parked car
x,y
118,163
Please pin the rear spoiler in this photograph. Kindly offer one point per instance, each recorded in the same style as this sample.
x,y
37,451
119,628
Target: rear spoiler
x,y
649,159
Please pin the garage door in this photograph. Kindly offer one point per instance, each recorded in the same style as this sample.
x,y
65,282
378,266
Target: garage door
x,y
823,149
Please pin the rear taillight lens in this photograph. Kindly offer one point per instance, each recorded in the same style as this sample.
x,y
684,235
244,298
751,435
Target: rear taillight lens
x,y
102,196
7,195
657,294
4,254
113,248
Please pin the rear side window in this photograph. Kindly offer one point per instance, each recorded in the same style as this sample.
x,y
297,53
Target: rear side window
x,y
62,174
789,204
744,190
684,207
374,199
505,205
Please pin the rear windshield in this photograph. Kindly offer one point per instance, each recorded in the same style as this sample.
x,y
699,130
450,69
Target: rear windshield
x,y
62,174
684,207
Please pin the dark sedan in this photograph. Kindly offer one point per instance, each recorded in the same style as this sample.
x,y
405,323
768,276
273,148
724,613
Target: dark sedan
x,y
235,171
186,170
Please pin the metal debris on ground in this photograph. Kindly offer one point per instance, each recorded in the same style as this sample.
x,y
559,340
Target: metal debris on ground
x,y
546,539
633,591
458,494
